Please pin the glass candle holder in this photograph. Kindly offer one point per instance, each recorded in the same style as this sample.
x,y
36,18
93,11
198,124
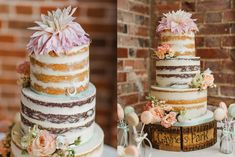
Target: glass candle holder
x,y
122,134
226,143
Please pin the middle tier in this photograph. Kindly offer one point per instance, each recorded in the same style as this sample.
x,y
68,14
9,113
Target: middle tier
x,y
191,100
59,115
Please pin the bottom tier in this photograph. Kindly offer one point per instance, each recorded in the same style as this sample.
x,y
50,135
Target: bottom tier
x,y
182,138
93,148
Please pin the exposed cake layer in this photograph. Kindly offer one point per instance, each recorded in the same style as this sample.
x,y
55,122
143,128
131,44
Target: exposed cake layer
x,y
53,74
176,72
193,101
58,114
181,44
92,148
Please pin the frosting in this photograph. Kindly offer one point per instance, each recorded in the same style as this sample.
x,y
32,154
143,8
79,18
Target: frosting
x,y
57,32
178,22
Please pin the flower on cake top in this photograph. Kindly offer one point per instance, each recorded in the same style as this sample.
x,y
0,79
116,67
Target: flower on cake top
x,y
177,22
203,80
57,32
161,112
164,51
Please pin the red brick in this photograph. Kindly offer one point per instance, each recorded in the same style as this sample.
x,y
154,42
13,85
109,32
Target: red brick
x,y
0,24
45,9
12,53
99,28
9,67
224,78
7,38
212,41
4,8
122,52
164,6
122,4
138,30
142,53
119,64
199,41
137,7
213,17
213,5
228,41
227,90
199,17
23,9
122,28
128,99
229,65
214,28
214,100
7,81
121,77
96,12
229,15
215,66
135,64
20,24
188,6
212,53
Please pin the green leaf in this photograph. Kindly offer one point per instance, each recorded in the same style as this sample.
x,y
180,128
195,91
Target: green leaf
x,y
24,152
71,153
77,141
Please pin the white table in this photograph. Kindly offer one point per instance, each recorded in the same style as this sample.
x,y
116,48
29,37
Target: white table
x,y
208,152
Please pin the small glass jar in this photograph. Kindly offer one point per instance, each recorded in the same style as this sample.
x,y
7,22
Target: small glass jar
x,y
122,134
226,143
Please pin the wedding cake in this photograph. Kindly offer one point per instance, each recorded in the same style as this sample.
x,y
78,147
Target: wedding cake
x,y
57,100
178,97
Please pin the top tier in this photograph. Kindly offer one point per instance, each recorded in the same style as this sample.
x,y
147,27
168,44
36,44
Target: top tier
x,y
59,54
178,30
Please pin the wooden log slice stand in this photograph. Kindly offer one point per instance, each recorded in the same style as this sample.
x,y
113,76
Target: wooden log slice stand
x,y
182,138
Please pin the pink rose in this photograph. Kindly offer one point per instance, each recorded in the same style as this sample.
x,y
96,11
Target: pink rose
x,y
169,120
43,145
209,79
24,68
162,50
158,114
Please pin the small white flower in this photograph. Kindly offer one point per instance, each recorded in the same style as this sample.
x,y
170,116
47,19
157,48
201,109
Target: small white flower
x,y
61,142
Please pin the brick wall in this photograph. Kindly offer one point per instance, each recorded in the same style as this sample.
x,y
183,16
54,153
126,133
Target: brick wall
x,y
215,41
133,43
98,18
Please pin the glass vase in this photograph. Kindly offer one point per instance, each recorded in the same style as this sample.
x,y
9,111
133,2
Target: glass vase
x,y
122,134
226,143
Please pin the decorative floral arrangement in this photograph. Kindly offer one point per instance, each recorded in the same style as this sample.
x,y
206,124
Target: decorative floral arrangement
x,y
5,145
57,32
164,51
24,71
158,112
39,143
203,80
177,22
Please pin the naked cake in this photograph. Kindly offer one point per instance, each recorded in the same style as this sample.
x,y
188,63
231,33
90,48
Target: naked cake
x,y
178,97
57,100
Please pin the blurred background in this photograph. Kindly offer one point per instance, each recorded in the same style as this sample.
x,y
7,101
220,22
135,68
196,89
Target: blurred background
x,y
215,44
97,17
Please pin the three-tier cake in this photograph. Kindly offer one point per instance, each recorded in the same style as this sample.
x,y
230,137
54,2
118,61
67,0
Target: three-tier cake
x,y
57,100
178,97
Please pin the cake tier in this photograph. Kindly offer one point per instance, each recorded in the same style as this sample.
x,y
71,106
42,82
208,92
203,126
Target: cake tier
x,y
69,116
92,148
181,44
183,138
53,74
193,101
176,72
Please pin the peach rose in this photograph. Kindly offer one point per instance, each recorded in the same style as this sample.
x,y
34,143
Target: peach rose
x,y
158,114
169,120
162,50
209,79
43,145
24,68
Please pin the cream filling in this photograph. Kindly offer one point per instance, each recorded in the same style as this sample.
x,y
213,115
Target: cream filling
x,y
177,62
39,70
169,33
47,124
47,59
163,81
74,83
57,110
176,71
